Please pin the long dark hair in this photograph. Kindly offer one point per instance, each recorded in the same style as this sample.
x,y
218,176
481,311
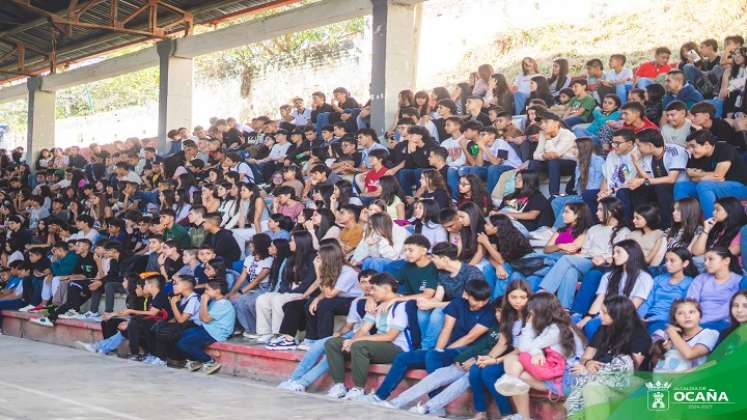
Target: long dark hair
x,y
530,183
613,207
585,148
282,253
256,194
543,90
476,226
431,212
477,193
724,232
390,189
545,310
501,87
625,321
690,215
303,256
346,192
328,220
562,75
425,109
583,218
510,242
733,323
635,265
509,315
684,254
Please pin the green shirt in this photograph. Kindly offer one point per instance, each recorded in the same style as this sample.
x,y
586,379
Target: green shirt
x,y
414,279
178,234
587,103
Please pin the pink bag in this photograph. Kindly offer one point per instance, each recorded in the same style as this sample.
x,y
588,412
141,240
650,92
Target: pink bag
x,y
552,369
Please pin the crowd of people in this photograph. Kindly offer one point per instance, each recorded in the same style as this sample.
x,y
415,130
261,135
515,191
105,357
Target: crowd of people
x,y
500,236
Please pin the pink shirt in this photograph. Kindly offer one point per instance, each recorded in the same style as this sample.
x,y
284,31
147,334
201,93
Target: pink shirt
x,y
565,236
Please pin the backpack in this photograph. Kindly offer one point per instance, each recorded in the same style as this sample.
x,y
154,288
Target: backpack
x,y
412,332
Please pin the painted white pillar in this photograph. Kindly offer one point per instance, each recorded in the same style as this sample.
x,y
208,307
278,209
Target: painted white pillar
x,y
174,90
41,119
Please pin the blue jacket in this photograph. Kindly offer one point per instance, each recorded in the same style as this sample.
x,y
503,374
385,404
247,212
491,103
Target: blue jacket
x,y
688,94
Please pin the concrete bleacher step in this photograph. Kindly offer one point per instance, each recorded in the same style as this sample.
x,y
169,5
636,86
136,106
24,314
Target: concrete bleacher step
x,y
240,357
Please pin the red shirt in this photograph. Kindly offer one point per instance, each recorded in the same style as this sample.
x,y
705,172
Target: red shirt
x,y
646,124
372,179
651,70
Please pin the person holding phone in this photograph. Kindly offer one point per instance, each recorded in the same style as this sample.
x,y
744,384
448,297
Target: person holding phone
x,y
488,157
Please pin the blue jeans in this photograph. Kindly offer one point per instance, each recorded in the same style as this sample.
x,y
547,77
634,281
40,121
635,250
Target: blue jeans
x,y
193,343
563,277
588,292
408,179
481,379
707,192
622,92
645,81
429,360
589,197
519,100
580,130
381,265
430,323
591,326
313,365
110,344
10,304
571,121
497,286
652,326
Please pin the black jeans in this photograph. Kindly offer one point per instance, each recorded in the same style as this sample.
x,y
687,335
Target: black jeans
x,y
77,294
322,323
294,318
663,194
109,327
140,334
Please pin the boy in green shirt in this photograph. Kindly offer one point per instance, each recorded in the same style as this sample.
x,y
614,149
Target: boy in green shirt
x,y
581,106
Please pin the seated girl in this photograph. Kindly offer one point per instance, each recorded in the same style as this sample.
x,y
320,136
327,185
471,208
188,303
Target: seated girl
x,y
426,222
687,343
392,194
714,288
628,278
596,251
733,337
607,365
609,111
722,230
668,286
686,226
472,189
382,243
527,204
646,232
433,186
502,244
487,369
253,281
548,346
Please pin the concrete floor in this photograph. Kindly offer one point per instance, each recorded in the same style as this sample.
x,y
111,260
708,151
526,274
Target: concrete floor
x,y
43,381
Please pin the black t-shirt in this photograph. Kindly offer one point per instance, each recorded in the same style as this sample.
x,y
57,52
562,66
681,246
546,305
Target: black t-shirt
x,y
224,245
86,266
523,204
725,132
356,158
722,152
41,265
299,153
639,342
440,196
160,302
482,118
324,108
416,159
18,240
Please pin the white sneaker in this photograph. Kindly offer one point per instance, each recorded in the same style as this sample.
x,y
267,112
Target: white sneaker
x,y
27,308
337,391
89,347
508,386
355,394
291,385
513,417
149,359
43,321
158,362
250,336
278,339
375,400
419,409
264,339
71,314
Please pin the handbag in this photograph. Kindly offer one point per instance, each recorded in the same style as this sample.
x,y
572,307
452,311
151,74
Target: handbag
x,y
552,368
529,265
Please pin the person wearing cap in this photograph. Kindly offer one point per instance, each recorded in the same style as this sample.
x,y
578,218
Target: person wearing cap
x,y
556,152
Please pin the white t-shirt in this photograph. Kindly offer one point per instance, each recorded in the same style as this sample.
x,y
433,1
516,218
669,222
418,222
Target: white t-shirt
x,y
625,74
513,160
618,169
279,151
641,289
673,360
254,267
522,83
675,159
456,156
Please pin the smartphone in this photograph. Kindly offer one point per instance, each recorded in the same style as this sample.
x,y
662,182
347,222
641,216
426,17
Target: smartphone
x,y
503,154
693,56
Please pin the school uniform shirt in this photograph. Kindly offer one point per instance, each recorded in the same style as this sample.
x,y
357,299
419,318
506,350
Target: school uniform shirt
x,y
466,319
714,298
224,316
347,283
414,279
722,152
456,156
190,305
160,302
641,289
656,308
674,159
454,285
618,169
564,144
254,268
395,317
639,342
355,314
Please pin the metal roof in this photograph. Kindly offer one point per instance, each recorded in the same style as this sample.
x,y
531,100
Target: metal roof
x,y
38,36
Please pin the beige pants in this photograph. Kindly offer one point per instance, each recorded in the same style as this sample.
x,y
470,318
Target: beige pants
x,y
270,311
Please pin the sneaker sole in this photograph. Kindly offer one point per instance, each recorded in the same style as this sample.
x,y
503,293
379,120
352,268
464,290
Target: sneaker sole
x,y
510,390
275,348
213,370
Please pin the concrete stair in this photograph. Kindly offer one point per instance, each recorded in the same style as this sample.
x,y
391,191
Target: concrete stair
x,y
241,358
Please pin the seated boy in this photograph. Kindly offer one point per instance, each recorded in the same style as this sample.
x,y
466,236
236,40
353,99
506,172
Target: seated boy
x,y
185,306
364,348
140,327
11,295
466,319
215,323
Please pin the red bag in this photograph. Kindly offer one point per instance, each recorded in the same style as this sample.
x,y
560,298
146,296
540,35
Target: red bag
x,y
552,369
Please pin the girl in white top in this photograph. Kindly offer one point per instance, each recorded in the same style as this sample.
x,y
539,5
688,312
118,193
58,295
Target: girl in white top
x,y
687,344
548,327
425,213
383,239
